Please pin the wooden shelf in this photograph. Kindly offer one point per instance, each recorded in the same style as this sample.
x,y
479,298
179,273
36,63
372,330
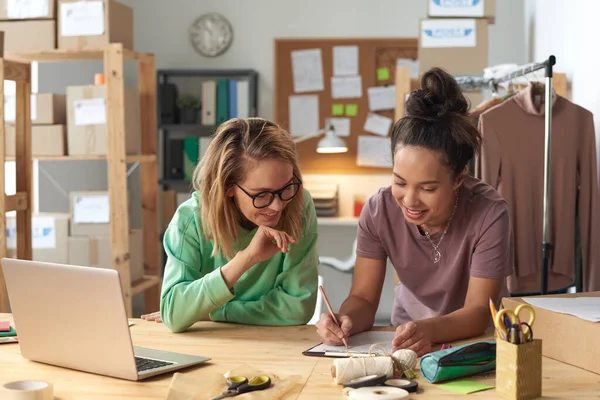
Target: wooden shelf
x,y
70,55
145,283
130,159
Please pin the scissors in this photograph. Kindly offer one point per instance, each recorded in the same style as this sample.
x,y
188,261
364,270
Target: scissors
x,y
507,319
241,384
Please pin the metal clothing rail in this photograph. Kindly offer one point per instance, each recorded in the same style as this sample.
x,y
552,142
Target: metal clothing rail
x,y
473,82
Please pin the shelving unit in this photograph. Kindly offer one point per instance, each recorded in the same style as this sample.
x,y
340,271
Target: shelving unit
x,y
114,56
171,179
20,72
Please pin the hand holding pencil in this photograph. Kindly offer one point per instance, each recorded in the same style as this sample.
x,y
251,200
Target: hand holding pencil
x,y
331,328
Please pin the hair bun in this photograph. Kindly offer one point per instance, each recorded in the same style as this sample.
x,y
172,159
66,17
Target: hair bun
x,y
439,96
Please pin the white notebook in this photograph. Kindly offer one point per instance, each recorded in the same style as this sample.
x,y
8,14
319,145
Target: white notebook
x,y
358,344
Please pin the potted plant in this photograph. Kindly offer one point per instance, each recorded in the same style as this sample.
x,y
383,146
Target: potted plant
x,y
189,106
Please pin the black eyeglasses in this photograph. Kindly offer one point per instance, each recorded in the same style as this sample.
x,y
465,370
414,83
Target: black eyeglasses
x,y
265,198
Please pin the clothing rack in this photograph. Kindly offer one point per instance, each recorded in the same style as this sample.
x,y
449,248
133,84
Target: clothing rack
x,y
478,82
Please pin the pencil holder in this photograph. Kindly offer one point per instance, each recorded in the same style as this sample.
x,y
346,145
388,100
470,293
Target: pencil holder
x,y
519,370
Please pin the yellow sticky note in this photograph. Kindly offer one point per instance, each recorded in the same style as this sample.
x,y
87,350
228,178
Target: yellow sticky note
x,y
337,109
351,110
383,74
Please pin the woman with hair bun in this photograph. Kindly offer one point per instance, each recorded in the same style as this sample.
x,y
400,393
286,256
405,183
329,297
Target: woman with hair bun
x,y
447,234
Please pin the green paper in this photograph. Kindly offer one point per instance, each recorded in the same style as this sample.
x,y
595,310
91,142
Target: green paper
x,y
12,332
464,387
351,110
337,109
383,74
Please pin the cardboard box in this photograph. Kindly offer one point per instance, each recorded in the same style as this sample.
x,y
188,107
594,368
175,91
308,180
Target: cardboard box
x,y
50,237
45,108
458,45
46,140
86,120
95,252
465,9
566,338
19,10
91,25
22,36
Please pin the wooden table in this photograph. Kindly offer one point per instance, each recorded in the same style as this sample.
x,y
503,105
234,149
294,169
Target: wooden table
x,y
270,349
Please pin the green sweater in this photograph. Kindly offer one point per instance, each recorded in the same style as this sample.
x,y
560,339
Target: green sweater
x,y
279,291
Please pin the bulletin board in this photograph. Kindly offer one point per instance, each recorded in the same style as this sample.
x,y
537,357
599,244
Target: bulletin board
x,y
376,67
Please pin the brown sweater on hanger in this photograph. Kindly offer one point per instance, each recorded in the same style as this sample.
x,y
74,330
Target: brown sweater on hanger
x,y
512,161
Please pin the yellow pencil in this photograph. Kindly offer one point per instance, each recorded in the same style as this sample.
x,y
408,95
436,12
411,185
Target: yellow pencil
x,y
493,310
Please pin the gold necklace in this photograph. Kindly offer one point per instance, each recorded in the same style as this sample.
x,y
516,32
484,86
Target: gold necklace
x,y
435,254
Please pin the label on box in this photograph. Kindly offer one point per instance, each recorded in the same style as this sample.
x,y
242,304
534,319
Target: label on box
x,y
91,209
24,9
43,231
90,111
82,18
448,33
456,8
10,107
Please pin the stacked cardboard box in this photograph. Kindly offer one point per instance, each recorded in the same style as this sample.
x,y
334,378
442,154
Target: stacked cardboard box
x,y
89,239
90,25
48,119
86,120
49,240
455,38
28,25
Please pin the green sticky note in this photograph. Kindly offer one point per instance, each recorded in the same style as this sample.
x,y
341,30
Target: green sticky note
x,y
337,109
351,110
383,74
464,387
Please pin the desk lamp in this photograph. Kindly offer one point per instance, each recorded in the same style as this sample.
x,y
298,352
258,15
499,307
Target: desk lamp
x,y
331,143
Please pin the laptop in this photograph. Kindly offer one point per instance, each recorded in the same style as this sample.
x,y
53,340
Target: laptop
x,y
74,317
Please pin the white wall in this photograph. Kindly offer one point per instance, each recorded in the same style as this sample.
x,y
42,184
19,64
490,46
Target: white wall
x,y
567,30
161,27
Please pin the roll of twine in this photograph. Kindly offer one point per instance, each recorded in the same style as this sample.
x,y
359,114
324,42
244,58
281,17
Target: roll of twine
x,y
377,362
27,390
375,393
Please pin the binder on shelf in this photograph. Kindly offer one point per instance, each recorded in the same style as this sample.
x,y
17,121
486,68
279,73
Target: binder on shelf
x,y
222,100
233,98
243,98
209,94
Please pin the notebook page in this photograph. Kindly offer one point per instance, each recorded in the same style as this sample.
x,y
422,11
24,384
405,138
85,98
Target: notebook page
x,y
361,342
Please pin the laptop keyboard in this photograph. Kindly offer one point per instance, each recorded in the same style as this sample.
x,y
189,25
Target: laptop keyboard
x,y
144,364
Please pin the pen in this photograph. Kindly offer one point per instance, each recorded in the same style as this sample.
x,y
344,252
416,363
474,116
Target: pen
x,y
331,312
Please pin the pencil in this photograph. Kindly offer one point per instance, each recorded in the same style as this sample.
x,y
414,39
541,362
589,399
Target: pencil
x,y
332,313
493,310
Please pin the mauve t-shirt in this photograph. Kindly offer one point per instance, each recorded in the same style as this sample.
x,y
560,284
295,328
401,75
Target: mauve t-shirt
x,y
478,243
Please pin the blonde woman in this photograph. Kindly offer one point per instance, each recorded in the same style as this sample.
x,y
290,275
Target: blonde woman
x,y
243,248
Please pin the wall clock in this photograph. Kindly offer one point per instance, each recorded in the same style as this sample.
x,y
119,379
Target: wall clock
x,y
211,34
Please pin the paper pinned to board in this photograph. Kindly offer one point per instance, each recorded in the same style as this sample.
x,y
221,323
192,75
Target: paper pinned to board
x,y
382,98
340,125
346,87
82,18
90,111
374,152
345,60
91,209
307,70
27,9
378,124
586,308
413,66
304,114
